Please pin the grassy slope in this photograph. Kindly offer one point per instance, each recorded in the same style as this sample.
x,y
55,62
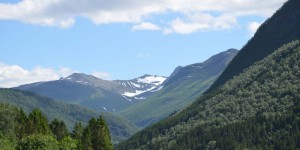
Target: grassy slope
x,y
88,96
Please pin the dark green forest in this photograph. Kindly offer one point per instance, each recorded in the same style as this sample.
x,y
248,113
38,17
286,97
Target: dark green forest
x,y
120,128
33,132
281,28
262,96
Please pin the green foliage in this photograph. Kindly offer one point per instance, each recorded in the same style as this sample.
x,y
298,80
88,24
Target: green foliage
x,y
7,120
21,121
120,128
38,142
253,110
77,131
95,136
68,143
6,143
37,123
87,139
59,129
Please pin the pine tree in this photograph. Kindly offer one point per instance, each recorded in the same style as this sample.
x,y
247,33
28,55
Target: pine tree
x,y
96,135
59,129
105,135
77,133
86,139
21,121
37,123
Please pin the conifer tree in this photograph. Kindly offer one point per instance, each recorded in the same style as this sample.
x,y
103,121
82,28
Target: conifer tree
x,y
59,129
77,131
37,123
105,135
21,121
86,139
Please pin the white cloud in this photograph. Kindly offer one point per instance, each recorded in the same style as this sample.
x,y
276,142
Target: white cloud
x,y
253,26
201,22
63,13
102,75
145,26
14,75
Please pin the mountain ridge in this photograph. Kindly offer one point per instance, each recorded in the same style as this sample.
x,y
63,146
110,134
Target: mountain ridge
x,y
180,89
281,28
95,93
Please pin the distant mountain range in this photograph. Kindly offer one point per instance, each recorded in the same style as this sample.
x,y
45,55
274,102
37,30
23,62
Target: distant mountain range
x,y
98,94
183,86
143,100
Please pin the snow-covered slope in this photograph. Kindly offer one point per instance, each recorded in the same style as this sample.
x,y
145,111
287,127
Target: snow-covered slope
x,y
142,87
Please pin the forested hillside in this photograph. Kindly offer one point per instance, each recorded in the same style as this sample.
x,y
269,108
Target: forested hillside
x,y
281,28
265,94
33,132
120,128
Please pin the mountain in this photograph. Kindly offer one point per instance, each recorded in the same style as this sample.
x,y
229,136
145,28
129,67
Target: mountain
x,y
280,29
256,109
259,109
120,128
183,86
95,93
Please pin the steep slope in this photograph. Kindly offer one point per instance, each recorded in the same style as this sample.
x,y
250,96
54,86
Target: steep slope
x,y
120,128
280,29
183,86
269,88
95,93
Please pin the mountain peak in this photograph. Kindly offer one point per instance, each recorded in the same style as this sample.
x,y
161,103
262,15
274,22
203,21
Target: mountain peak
x,y
74,75
232,50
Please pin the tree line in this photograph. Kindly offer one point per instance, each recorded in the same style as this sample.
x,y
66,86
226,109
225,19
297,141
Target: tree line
x,y
32,132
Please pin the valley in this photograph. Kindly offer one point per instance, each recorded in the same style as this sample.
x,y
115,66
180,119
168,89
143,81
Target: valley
x,y
217,98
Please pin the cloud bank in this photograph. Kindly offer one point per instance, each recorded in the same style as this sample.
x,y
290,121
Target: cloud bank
x,y
196,15
14,75
253,26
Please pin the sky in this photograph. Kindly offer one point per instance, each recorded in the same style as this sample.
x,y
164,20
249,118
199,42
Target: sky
x,y
43,40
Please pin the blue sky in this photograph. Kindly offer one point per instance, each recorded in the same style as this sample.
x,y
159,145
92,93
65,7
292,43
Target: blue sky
x,y
43,40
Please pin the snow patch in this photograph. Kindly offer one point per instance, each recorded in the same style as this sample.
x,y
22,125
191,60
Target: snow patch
x,y
159,88
152,80
136,85
104,108
127,98
139,98
137,92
